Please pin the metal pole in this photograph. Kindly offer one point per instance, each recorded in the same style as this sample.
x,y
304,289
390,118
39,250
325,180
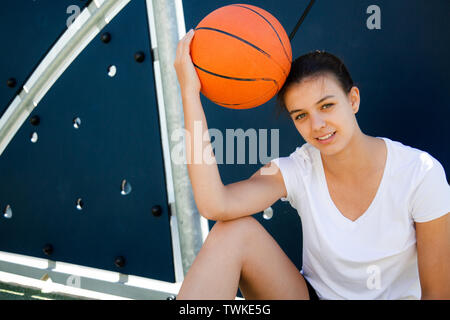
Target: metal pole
x,y
188,218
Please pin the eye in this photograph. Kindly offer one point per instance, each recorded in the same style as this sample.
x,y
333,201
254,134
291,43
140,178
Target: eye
x,y
300,116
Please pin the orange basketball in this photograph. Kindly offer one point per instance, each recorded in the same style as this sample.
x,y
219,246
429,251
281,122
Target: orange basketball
x,y
242,56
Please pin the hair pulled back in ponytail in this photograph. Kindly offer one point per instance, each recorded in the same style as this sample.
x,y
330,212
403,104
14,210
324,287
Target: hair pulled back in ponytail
x,y
315,64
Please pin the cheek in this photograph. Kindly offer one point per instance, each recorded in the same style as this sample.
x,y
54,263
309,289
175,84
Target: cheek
x,y
349,118
341,118
303,129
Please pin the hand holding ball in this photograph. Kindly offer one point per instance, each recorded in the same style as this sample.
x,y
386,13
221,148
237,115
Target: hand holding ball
x,y
242,56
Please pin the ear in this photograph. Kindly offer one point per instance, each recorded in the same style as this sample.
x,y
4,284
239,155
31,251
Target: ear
x,y
354,99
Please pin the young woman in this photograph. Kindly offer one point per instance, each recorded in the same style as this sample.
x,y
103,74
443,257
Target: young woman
x,y
374,212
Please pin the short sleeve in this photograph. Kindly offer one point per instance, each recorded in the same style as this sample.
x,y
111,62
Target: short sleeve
x,y
431,198
289,171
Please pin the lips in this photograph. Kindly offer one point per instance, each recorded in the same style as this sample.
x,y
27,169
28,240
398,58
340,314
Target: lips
x,y
329,135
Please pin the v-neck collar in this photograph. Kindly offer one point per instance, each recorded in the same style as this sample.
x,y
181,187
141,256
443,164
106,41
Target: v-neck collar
x,y
336,211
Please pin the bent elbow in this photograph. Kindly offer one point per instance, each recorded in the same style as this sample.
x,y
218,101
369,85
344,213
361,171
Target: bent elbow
x,y
210,207
214,213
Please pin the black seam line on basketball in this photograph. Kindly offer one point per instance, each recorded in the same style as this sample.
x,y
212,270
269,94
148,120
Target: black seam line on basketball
x,y
236,37
245,41
281,42
234,78
238,104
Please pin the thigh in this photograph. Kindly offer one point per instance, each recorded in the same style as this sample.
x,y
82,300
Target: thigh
x,y
267,272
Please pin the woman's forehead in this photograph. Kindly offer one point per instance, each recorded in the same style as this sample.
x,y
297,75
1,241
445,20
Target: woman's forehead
x,y
306,93
317,84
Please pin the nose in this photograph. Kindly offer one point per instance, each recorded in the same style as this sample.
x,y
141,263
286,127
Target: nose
x,y
317,122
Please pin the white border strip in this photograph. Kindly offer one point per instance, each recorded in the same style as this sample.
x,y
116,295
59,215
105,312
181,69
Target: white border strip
x,y
180,18
81,281
51,287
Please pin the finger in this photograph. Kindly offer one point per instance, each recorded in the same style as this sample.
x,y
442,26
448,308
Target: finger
x,y
190,33
185,38
183,47
180,48
189,36
187,42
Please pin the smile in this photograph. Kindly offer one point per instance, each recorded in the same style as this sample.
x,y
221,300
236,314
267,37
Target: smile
x,y
327,137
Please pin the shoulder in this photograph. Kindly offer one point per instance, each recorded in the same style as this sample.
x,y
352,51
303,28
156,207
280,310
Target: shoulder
x,y
297,167
296,170
413,163
302,158
410,160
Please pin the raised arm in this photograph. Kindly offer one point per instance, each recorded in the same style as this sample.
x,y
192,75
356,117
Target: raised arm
x,y
255,194
214,200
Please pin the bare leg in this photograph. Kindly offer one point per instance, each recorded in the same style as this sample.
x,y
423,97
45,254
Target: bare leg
x,y
242,253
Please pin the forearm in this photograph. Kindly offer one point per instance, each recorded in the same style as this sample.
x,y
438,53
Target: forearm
x,y
202,167
433,258
435,284
440,294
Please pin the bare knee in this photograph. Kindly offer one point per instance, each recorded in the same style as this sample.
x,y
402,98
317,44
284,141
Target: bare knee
x,y
233,232
237,227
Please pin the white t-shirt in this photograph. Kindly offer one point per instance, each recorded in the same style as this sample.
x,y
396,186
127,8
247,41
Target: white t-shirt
x,y
374,257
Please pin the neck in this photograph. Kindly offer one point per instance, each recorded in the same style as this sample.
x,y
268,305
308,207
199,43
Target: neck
x,y
358,156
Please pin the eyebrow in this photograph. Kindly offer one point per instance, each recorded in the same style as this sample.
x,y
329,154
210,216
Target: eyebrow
x,y
324,98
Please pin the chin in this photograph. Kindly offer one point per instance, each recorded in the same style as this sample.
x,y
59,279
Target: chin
x,y
328,150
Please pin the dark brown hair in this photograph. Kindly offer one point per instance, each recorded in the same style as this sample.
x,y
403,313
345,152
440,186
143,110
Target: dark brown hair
x,y
314,64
